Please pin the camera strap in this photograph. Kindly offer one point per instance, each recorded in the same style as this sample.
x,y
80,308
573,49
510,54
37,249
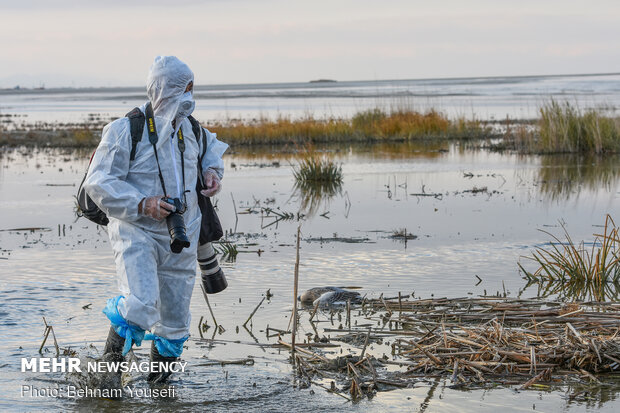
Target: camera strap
x,y
181,142
153,138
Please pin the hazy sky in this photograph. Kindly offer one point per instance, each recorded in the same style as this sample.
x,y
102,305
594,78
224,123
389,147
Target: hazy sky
x,y
81,43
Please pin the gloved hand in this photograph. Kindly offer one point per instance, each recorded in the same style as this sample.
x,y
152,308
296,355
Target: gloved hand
x,y
212,182
154,207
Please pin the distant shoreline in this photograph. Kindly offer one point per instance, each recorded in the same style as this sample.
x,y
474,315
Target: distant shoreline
x,y
6,90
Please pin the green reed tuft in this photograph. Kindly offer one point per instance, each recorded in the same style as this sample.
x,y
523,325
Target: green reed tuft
x,y
317,170
317,180
577,271
228,250
565,128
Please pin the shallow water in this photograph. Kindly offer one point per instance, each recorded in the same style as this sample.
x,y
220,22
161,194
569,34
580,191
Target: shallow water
x,y
56,270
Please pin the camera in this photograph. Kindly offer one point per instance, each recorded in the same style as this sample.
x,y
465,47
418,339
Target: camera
x,y
176,225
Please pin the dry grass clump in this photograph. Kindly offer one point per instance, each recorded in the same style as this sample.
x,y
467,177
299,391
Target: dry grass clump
x,y
282,130
400,123
577,271
410,124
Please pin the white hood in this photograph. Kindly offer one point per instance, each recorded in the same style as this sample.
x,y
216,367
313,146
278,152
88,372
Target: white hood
x,y
165,86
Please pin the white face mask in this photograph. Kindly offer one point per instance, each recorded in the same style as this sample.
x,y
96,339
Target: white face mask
x,y
186,105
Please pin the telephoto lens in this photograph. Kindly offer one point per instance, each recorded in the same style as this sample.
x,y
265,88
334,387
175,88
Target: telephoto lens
x,y
215,283
213,278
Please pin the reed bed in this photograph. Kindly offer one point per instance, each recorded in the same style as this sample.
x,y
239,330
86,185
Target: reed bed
x,y
70,137
566,128
473,342
368,126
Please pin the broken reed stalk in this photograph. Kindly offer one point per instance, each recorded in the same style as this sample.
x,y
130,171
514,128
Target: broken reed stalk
x,y
46,334
235,208
301,350
243,362
48,329
544,373
349,313
204,293
253,312
295,288
365,344
316,307
356,378
200,326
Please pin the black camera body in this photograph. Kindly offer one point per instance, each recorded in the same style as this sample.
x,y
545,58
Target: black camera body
x,y
176,225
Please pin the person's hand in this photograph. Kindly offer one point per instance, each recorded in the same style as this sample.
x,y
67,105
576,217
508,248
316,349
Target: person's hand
x,y
154,207
212,182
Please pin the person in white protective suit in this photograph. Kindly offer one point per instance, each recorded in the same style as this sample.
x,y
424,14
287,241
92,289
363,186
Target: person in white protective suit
x,y
156,284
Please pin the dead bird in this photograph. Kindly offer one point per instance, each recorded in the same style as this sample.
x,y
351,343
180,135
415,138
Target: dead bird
x,y
327,296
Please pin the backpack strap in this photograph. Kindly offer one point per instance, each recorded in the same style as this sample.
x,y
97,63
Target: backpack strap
x,y
200,135
136,126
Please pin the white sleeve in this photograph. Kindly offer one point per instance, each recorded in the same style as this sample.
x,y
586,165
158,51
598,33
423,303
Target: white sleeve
x,y
105,182
213,156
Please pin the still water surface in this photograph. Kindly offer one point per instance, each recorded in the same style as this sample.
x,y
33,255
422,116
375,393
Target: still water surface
x,y
57,270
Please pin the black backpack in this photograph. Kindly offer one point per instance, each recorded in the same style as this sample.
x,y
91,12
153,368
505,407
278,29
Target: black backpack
x,y
210,230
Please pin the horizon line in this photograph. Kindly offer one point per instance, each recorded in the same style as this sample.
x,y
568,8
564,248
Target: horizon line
x,y
317,81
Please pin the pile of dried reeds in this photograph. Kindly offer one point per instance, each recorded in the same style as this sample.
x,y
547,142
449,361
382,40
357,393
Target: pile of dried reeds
x,y
501,338
473,342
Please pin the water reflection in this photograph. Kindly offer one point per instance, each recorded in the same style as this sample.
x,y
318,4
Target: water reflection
x,y
427,149
574,290
593,396
563,176
559,177
314,195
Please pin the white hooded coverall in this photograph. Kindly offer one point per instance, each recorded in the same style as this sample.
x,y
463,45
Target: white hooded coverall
x,y
156,283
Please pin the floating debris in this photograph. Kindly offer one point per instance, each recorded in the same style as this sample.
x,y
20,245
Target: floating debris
x,y
402,234
335,238
27,229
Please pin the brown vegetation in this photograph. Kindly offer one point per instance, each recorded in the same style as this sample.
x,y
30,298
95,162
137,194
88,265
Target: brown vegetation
x,y
368,126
